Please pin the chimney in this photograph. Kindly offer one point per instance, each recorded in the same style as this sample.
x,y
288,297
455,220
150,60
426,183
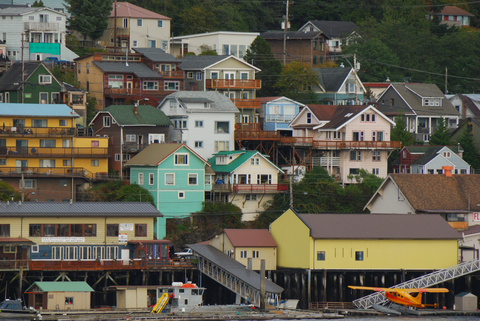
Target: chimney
x,y
447,170
135,109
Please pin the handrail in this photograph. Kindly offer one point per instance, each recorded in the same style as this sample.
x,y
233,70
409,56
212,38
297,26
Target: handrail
x,y
54,151
37,131
60,171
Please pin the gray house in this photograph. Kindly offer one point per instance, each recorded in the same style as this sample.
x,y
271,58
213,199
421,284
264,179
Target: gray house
x,y
435,158
421,104
338,86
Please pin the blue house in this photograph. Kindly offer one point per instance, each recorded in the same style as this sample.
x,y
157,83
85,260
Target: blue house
x,y
175,176
277,112
338,86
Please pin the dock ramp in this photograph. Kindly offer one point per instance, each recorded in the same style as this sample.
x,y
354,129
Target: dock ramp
x,y
424,281
233,275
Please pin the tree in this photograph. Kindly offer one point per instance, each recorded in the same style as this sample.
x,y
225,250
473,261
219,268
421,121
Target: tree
x,y
209,52
119,191
196,20
6,192
38,4
400,132
296,80
260,55
470,153
89,17
441,136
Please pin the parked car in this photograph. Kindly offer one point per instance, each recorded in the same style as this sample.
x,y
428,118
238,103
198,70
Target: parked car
x,y
186,254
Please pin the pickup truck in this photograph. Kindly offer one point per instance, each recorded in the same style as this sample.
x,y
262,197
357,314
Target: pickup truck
x,y
186,254
57,62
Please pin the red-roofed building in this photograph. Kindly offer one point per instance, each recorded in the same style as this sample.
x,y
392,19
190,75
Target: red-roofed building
x,y
453,16
247,244
136,27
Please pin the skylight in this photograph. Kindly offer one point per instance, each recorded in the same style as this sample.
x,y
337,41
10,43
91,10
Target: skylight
x,y
348,115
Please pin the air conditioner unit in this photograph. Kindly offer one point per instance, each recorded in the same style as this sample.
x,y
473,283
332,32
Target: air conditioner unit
x,y
97,135
106,136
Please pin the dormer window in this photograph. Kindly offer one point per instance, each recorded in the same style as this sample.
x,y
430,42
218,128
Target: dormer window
x,y
221,160
431,102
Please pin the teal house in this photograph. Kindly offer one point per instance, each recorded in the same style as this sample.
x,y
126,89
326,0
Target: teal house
x,y
176,177
338,86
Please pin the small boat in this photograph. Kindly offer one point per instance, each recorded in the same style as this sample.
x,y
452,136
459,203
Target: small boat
x,y
15,308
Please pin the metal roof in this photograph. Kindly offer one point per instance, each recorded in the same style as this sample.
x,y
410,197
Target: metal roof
x,y
335,29
250,237
125,115
200,62
154,154
219,102
37,110
129,10
12,78
244,156
236,268
139,69
72,286
78,209
15,241
156,54
291,35
331,79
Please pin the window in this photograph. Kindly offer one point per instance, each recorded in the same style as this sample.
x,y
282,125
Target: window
x,y
251,197
47,163
190,74
48,143
140,229
62,229
5,230
135,43
139,22
90,229
62,122
9,249
255,254
220,146
156,138
199,123
358,255
181,195
376,156
44,18
29,183
321,256
351,88
309,118
169,179
125,22
44,79
35,248
355,155
199,144
376,171
140,178
446,154
181,159
264,179
152,43
3,161
243,254
130,138
171,85
199,76
150,85
94,163
192,179
222,127
106,121
115,81
151,179
62,182
358,136
255,161
94,143
208,179
35,230
377,136
112,229
160,23
39,123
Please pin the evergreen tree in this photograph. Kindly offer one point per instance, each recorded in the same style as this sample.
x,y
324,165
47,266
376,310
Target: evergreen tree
x,y
89,17
296,80
38,4
260,55
441,136
470,153
400,133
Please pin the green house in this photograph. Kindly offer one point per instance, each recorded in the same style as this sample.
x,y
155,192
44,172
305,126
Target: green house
x,y
176,177
40,86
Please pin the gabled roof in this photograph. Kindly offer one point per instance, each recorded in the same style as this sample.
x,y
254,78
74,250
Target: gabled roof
x,y
292,35
205,61
463,122
265,100
250,237
12,78
72,286
427,193
378,226
342,115
139,69
146,115
128,10
154,154
37,110
333,29
453,11
323,112
82,209
230,33
474,229
218,102
429,155
469,102
422,149
156,54
332,79
245,155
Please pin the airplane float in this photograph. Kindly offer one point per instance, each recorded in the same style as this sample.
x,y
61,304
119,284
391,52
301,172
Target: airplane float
x,y
405,297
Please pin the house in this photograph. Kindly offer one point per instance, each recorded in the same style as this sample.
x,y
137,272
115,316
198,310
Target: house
x,y
421,104
129,129
425,159
228,75
456,197
469,244
43,29
223,42
453,17
472,126
72,295
373,90
343,139
166,65
247,246
364,241
80,232
468,105
309,47
39,145
338,86
131,26
175,176
204,120
57,5
277,112
114,79
245,178
337,32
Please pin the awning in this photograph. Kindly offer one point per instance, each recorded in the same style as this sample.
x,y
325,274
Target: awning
x,y
15,241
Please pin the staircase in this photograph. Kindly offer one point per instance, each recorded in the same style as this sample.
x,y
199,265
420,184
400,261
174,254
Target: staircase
x,y
424,281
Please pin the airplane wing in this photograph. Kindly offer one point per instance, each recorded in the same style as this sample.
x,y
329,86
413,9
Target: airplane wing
x,y
372,288
430,290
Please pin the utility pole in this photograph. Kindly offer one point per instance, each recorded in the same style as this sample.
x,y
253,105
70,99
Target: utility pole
x,y
115,28
446,71
355,74
22,84
285,27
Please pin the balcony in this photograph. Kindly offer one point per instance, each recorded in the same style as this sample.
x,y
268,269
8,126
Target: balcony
x,y
423,130
172,74
279,118
36,131
256,135
247,103
233,84
41,26
334,145
260,188
121,91
49,152
133,147
247,126
50,171
297,141
326,161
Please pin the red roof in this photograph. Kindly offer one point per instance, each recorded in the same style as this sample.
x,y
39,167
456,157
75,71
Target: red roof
x,y
128,10
18,241
454,11
250,238
323,112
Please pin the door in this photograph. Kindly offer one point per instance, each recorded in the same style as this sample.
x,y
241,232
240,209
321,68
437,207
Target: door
x,y
58,252
229,78
21,165
125,255
22,146
129,86
245,119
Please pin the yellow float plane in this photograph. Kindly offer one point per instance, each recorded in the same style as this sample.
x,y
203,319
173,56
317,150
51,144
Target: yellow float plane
x,y
406,297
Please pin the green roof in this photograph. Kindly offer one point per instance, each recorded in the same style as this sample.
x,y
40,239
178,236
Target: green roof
x,y
77,286
244,156
146,115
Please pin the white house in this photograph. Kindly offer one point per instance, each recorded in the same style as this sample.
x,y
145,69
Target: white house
x,y
436,158
206,120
